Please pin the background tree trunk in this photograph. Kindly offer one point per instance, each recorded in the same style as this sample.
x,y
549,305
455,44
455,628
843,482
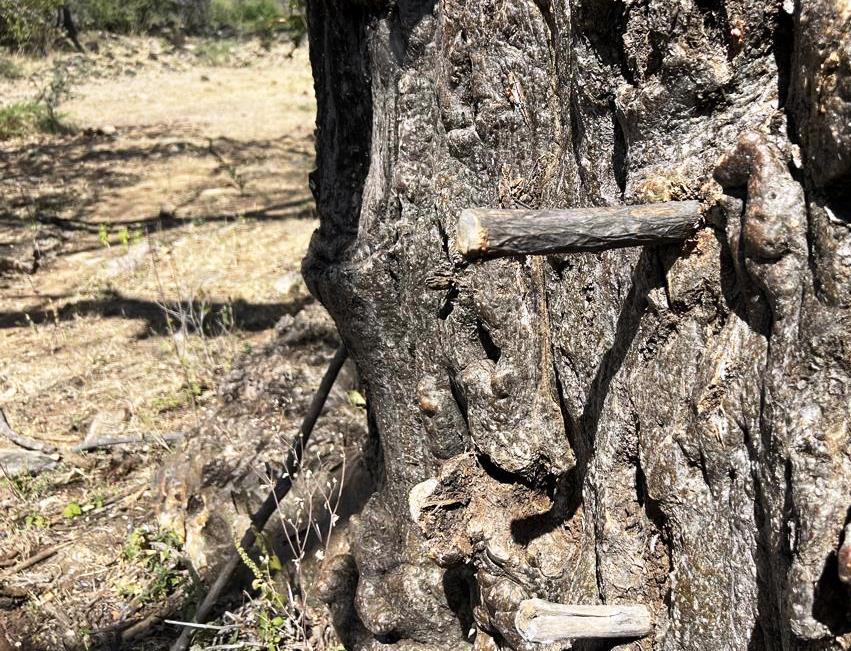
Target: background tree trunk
x,y
665,426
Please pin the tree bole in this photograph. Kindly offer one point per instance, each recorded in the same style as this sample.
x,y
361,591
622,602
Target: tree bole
x,y
635,423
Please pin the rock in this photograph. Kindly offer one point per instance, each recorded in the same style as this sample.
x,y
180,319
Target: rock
x,y
18,462
107,423
107,130
168,210
284,324
128,262
211,194
291,284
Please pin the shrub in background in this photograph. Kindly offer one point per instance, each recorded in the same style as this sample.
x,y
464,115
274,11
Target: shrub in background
x,y
31,25
127,16
28,24
244,16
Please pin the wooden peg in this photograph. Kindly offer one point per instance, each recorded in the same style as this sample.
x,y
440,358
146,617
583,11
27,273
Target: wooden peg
x,y
542,621
487,232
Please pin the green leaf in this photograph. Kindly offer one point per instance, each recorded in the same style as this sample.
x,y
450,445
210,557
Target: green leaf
x,y
103,235
72,510
356,399
275,563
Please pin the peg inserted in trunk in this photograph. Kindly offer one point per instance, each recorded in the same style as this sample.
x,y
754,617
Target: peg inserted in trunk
x,y
487,232
542,621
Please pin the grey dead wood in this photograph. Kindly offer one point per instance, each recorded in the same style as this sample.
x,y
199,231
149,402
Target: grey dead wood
x,y
270,505
542,621
489,232
118,441
23,441
14,462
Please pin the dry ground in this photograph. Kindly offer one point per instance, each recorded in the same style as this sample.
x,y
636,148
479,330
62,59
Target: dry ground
x,y
161,241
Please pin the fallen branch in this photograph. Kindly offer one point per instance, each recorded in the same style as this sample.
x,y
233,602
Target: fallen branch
x,y
542,621
107,442
262,515
23,441
206,627
485,232
43,555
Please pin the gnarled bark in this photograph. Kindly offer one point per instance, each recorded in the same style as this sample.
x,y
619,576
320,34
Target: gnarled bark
x,y
665,426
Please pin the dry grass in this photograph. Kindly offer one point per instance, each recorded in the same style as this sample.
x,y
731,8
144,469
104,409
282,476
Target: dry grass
x,y
96,312
158,250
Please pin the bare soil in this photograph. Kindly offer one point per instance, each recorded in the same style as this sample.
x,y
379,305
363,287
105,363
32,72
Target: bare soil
x,y
148,255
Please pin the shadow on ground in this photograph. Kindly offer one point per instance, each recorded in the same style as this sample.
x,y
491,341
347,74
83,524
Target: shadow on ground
x,y
86,169
161,318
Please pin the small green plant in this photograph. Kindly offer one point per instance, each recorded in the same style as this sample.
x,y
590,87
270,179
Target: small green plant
x,y
153,563
41,113
72,510
103,235
9,69
53,94
271,618
124,237
356,399
226,318
35,520
20,118
27,486
173,400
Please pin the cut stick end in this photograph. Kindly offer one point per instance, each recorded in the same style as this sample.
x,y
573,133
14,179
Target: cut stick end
x,y
471,238
541,621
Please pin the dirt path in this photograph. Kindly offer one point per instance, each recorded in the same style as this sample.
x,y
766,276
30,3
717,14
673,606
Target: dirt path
x,y
165,235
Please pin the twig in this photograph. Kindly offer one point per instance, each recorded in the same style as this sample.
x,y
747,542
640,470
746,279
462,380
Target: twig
x,y
23,441
282,487
43,555
107,442
206,627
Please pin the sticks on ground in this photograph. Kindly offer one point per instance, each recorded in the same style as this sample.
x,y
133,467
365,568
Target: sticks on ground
x,y
23,441
35,559
262,515
485,232
108,442
29,443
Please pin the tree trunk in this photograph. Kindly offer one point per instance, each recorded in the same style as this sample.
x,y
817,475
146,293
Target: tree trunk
x,y
70,27
665,426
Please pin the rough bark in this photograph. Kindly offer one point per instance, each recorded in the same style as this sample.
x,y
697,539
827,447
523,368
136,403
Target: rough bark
x,y
665,426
